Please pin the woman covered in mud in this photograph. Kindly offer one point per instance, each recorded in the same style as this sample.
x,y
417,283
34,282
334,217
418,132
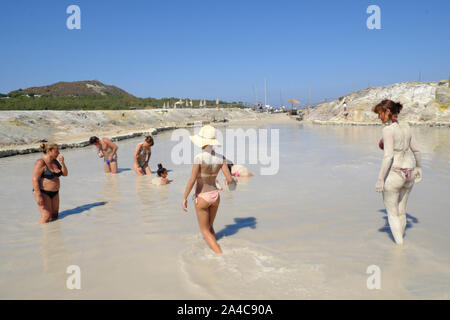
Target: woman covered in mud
x,y
398,171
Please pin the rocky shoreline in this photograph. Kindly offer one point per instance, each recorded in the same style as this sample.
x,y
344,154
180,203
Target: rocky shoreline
x,y
360,123
21,132
424,104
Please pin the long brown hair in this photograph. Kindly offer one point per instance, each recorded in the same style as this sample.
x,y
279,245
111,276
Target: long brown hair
x,y
149,140
393,107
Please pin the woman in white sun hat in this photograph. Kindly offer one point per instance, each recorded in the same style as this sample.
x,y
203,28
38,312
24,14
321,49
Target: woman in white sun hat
x,y
207,165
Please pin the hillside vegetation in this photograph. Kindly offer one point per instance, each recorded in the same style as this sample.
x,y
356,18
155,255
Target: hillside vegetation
x,y
86,95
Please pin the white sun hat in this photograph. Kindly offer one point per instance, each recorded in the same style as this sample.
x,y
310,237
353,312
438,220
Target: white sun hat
x,y
206,137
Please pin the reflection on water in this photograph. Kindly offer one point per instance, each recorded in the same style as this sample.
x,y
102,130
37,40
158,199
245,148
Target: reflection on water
x,y
143,192
111,188
55,256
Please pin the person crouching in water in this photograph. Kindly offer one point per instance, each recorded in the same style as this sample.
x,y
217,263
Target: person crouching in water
x,y
108,151
238,170
142,157
46,173
162,176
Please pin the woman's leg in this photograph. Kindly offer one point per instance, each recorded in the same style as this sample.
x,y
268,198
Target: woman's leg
x,y
391,203
147,170
138,169
55,207
107,167
212,215
202,208
46,209
113,165
391,195
403,198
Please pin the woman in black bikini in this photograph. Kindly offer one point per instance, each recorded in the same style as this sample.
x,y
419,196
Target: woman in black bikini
x,y
46,173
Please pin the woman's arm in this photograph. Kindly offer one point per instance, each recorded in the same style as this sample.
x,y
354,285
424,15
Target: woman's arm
x,y
61,163
226,173
136,153
190,184
112,145
37,172
418,157
149,154
388,140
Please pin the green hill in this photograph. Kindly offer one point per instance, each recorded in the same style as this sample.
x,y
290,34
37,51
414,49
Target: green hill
x,y
74,89
86,95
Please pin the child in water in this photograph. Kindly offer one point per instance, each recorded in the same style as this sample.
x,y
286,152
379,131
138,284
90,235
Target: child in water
x,y
238,170
162,176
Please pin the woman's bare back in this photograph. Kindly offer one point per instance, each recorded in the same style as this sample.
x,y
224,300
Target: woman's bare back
x,y
210,165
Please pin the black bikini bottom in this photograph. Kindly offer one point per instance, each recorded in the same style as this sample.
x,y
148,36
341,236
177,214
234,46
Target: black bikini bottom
x,y
51,194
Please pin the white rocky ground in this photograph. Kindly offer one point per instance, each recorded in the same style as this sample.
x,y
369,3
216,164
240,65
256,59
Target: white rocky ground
x,y
22,131
425,103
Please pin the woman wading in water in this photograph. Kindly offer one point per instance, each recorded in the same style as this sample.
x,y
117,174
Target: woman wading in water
x,y
397,174
204,171
142,157
108,151
46,173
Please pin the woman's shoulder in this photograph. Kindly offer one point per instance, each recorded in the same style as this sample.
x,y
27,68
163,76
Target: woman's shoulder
x,y
199,157
389,128
40,162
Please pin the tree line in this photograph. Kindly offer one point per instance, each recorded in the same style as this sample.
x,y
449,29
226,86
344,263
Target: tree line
x,y
16,101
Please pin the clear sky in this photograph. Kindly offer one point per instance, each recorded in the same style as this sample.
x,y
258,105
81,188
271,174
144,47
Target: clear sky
x,y
224,48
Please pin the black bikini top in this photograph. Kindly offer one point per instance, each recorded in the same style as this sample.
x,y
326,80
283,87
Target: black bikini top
x,y
47,174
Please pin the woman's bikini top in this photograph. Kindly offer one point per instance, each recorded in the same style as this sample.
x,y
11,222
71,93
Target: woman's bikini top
x,y
47,174
381,143
209,160
143,152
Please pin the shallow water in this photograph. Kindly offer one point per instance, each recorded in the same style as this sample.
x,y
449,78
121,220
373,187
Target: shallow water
x,y
310,231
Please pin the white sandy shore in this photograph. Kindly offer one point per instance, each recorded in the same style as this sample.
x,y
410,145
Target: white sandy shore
x,y
22,131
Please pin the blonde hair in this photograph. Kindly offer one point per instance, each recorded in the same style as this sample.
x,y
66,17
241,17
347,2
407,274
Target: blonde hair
x,y
47,146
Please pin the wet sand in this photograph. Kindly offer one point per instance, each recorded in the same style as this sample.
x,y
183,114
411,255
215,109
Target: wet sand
x,y
308,232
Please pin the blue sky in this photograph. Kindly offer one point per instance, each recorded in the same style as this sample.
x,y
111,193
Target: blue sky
x,y
224,48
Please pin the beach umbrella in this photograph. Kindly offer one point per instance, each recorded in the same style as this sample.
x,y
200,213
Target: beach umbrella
x,y
292,101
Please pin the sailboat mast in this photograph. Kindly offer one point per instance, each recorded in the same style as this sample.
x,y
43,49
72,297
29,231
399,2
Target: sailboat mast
x,y
265,92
